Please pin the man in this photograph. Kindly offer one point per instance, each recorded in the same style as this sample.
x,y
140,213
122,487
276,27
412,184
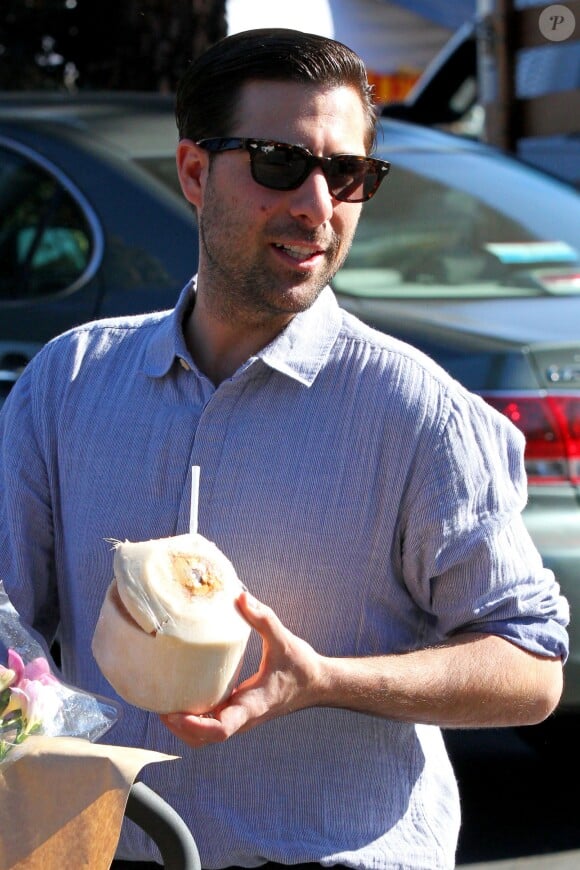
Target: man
x,y
369,503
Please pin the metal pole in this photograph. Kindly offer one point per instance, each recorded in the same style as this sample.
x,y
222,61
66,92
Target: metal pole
x,y
496,74
165,827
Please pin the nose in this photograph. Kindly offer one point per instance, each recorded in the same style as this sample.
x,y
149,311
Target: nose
x,y
312,202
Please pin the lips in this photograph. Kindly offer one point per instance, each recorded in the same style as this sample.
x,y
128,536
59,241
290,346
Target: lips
x,y
299,252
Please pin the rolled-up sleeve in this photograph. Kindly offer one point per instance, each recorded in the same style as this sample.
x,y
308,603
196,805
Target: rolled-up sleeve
x,y
468,557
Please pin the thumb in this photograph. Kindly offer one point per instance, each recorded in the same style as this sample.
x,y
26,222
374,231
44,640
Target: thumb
x,y
257,614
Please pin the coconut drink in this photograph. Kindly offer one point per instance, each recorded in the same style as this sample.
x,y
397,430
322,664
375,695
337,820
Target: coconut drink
x,y
169,637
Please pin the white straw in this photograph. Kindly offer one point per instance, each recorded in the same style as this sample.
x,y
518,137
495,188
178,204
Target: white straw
x,y
194,499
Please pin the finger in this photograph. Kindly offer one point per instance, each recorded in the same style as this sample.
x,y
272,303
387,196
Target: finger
x,y
259,615
195,730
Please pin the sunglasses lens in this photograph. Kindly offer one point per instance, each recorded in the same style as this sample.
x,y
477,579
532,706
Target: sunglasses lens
x,y
280,167
352,179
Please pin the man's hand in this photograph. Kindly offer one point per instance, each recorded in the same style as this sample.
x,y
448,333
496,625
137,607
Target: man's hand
x,y
287,680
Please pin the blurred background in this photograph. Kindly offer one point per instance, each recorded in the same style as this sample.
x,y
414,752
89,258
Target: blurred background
x,y
144,44
486,69
466,252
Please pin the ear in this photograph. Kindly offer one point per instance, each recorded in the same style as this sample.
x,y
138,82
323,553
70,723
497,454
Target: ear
x,y
192,165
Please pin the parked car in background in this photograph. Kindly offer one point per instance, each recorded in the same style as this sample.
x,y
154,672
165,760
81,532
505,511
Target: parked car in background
x,y
468,254
473,257
89,224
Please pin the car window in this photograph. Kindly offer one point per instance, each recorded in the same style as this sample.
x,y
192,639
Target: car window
x,y
423,237
45,238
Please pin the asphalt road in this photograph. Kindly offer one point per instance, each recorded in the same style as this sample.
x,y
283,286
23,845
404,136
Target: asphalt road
x,y
520,808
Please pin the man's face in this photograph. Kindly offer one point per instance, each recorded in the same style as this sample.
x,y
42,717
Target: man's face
x,y
267,252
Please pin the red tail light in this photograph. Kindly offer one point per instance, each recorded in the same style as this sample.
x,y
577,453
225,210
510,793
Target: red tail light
x,y
551,424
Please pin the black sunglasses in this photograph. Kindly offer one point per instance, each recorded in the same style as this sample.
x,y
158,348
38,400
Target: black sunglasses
x,y
285,167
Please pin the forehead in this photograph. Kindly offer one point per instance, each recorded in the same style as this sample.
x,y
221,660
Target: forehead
x,y
329,119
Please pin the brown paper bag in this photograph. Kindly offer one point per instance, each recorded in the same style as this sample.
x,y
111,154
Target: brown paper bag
x,y
62,801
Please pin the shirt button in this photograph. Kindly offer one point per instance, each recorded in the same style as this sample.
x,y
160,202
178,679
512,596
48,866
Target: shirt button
x,y
184,365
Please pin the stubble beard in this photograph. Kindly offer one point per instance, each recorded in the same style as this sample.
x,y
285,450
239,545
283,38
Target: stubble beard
x,y
239,290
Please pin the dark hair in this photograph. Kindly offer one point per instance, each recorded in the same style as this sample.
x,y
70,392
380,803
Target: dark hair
x,y
208,93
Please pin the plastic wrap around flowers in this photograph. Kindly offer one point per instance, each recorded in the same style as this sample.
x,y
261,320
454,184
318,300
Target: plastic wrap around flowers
x,y
32,698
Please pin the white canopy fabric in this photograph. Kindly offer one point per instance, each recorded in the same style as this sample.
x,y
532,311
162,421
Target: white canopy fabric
x,y
386,35
398,39
389,36
447,13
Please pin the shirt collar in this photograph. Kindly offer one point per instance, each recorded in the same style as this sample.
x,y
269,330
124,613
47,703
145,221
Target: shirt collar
x,y
167,341
302,348
299,351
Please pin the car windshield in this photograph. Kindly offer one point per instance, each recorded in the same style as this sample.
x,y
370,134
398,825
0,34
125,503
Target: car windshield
x,y
163,169
464,224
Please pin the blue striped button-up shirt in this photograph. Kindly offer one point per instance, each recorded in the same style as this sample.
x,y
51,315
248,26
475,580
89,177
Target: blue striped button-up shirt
x,y
358,490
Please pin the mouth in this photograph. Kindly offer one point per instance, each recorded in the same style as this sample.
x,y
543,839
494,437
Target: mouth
x,y
300,253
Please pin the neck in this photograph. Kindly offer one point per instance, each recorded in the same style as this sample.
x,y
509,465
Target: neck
x,y
220,345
